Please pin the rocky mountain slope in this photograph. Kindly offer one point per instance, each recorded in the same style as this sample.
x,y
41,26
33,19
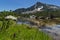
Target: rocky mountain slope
x,y
37,7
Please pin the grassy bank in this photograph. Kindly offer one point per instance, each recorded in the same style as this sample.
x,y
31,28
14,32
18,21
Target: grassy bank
x,y
9,30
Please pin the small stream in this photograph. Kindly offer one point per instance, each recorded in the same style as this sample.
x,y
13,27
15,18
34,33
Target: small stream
x,y
54,30
25,22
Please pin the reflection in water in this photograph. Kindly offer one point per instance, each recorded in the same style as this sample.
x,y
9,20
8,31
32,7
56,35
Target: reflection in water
x,y
55,28
26,22
54,31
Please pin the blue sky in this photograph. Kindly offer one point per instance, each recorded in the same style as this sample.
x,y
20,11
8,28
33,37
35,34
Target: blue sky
x,y
14,4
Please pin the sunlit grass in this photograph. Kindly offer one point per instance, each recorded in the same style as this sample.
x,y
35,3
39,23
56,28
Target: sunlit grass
x,y
22,32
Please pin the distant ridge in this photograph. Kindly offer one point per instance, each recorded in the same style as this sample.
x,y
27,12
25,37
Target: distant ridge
x,y
38,6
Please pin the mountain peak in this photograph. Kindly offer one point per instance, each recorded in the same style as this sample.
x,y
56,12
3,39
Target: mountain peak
x,y
38,5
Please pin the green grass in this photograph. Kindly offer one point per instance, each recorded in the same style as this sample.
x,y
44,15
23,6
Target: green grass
x,y
21,32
